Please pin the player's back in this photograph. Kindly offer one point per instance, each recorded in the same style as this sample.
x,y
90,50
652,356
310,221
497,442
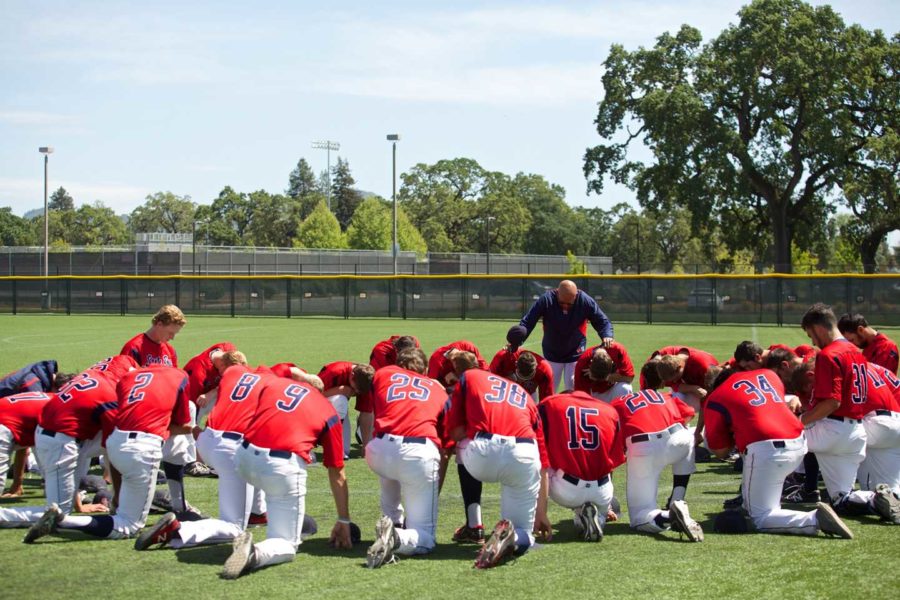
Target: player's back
x,y
751,404
883,351
488,403
292,417
20,412
582,435
202,374
407,403
73,410
650,411
883,391
114,367
149,399
238,398
336,374
146,352
841,376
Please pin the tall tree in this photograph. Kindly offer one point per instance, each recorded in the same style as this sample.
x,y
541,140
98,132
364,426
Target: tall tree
x,y
320,230
274,221
16,231
554,225
344,198
302,181
96,225
372,228
61,200
229,218
766,116
163,212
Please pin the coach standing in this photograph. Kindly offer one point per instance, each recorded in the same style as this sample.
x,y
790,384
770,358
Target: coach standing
x,y
566,312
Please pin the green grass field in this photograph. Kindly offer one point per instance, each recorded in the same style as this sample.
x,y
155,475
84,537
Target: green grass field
x,y
624,565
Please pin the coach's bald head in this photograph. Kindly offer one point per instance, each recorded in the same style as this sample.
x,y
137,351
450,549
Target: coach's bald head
x,y
566,293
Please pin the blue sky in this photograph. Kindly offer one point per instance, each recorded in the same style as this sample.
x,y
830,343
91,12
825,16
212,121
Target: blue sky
x,y
189,97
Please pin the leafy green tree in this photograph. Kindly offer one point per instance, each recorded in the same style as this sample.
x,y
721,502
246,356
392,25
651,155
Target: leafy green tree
x,y
163,212
371,227
229,218
16,231
61,200
302,181
766,117
96,225
344,197
320,230
274,221
554,225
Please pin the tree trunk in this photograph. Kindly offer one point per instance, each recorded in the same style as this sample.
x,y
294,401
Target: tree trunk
x,y
782,235
868,248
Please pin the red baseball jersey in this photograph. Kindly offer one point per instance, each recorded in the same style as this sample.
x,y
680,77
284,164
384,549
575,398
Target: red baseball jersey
x,y
238,398
882,351
484,402
504,365
583,435
146,352
284,369
202,375
805,351
408,404
650,411
77,408
749,407
384,354
841,376
883,389
152,398
20,413
439,366
619,356
115,366
295,417
666,350
339,373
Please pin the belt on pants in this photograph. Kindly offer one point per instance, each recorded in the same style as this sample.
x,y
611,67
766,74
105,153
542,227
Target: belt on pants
x,y
133,435
273,453
881,412
483,435
844,419
402,439
48,433
644,437
231,435
575,481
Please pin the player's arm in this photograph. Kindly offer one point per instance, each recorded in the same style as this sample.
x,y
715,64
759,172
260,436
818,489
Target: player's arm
x,y
600,322
689,388
542,526
822,409
340,390
719,436
19,465
529,321
340,533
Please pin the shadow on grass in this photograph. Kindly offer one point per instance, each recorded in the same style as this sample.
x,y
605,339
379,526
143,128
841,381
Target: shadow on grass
x,y
204,555
454,552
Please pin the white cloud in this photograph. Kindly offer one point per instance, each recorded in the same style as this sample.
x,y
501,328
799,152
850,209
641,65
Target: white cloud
x,y
26,194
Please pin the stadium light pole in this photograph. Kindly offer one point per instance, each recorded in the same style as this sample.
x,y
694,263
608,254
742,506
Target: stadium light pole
x,y
394,138
328,146
46,151
487,225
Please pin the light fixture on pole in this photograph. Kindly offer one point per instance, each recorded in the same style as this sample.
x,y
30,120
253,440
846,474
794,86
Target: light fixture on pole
x,y
328,146
46,151
394,138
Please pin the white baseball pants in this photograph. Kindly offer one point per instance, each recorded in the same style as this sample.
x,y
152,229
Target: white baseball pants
x,y
341,406
11,516
766,464
409,473
563,373
516,465
181,449
882,462
284,481
136,456
620,388
573,495
646,461
840,447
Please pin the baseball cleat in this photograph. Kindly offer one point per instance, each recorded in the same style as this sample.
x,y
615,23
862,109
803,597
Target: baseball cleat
x,y
830,523
799,496
258,519
198,469
386,541
163,531
45,525
683,523
469,535
593,530
501,544
886,504
243,557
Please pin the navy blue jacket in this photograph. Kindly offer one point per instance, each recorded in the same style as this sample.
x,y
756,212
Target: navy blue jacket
x,y
564,333
36,377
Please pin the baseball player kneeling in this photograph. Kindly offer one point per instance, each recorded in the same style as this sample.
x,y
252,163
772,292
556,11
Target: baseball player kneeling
x,y
747,409
292,418
584,445
501,440
406,453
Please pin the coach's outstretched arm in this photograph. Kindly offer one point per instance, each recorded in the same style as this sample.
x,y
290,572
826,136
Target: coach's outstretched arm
x,y
340,533
599,321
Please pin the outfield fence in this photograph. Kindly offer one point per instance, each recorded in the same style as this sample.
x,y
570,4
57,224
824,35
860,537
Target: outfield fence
x,y
712,299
